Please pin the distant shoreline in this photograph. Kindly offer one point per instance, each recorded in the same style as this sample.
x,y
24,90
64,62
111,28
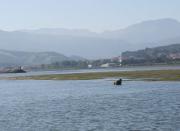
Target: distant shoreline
x,y
149,75
12,71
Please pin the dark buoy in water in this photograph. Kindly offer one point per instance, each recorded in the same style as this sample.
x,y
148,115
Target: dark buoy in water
x,y
118,82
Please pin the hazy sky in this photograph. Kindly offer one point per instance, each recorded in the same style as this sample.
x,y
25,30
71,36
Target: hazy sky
x,y
97,15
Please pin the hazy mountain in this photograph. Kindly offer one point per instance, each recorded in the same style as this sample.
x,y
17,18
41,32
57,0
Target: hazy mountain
x,y
171,40
62,32
77,58
87,47
29,58
153,31
90,44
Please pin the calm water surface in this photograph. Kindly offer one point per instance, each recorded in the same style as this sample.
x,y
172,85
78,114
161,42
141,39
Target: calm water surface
x,y
92,105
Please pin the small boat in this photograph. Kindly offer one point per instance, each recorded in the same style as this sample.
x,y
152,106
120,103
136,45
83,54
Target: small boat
x,y
118,82
13,70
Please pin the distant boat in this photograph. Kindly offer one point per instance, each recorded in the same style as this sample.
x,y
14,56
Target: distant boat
x,y
13,70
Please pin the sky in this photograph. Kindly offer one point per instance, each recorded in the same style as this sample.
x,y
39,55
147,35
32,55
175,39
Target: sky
x,y
95,15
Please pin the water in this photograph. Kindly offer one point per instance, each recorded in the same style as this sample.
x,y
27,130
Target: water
x,y
89,105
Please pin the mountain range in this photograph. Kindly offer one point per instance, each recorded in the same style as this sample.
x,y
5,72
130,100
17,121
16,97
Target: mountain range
x,y
92,45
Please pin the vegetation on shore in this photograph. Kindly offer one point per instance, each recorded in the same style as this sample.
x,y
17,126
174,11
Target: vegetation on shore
x,y
156,75
166,55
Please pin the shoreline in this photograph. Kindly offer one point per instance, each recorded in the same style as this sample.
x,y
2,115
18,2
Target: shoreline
x,y
146,75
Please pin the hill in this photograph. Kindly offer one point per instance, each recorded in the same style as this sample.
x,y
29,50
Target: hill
x,y
16,58
162,54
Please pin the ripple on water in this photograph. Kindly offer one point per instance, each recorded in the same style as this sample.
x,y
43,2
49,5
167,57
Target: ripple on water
x,y
89,105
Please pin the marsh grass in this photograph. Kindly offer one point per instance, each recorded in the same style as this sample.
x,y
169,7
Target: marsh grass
x,y
156,75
